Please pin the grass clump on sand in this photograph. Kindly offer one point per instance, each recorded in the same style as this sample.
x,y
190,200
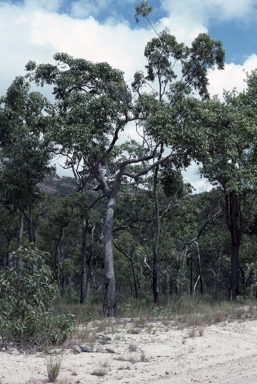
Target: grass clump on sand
x,y
53,367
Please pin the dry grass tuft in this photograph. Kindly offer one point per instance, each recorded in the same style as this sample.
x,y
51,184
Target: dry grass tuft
x,y
53,367
99,372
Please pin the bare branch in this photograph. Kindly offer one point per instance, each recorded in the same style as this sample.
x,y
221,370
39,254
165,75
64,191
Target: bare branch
x,y
150,167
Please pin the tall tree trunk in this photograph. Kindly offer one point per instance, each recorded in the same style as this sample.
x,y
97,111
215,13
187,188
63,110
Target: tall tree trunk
x,y
21,227
109,306
234,224
89,274
157,240
90,265
20,236
199,267
135,280
30,226
57,256
191,275
83,286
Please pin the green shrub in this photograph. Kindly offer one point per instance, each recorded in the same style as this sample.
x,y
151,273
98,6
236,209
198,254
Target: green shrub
x,y
59,328
27,291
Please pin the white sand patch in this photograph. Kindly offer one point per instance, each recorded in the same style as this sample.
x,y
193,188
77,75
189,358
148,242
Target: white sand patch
x,y
225,354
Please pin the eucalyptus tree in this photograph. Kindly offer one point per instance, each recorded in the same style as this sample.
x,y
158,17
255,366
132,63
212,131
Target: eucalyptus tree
x,y
25,149
93,106
228,158
175,73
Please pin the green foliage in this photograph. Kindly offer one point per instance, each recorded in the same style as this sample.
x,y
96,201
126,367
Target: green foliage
x,y
172,180
27,291
230,131
161,53
143,10
59,327
26,151
204,53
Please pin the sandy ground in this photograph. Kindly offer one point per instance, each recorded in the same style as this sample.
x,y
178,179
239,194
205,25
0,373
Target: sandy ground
x,y
156,352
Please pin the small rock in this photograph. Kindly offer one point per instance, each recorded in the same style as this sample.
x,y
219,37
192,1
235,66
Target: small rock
x,y
55,351
15,351
133,348
100,349
77,349
86,348
3,346
103,337
109,350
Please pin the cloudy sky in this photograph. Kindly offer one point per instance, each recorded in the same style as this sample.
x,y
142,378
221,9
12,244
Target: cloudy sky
x,y
105,30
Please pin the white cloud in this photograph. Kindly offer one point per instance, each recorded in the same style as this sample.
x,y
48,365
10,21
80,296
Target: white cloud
x,y
192,176
203,10
231,9
30,33
232,76
86,8
115,43
187,18
185,30
16,44
47,5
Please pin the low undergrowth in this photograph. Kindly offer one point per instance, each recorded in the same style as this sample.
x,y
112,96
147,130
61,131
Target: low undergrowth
x,y
182,312
28,313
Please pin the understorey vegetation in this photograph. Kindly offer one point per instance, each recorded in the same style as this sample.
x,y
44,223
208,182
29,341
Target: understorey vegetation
x,y
27,292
